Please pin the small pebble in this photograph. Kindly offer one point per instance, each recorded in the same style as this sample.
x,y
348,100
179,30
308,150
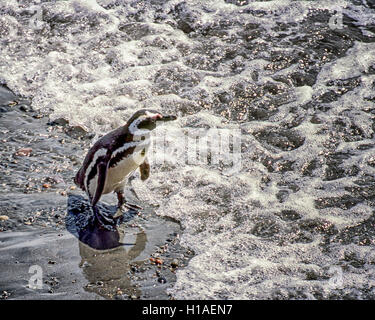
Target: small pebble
x,y
12,103
134,269
174,263
23,152
162,280
4,218
24,108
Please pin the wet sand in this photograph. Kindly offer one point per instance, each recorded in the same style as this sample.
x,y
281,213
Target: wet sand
x,y
49,249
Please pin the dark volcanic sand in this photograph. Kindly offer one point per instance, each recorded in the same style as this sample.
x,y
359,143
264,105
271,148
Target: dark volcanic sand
x,y
44,224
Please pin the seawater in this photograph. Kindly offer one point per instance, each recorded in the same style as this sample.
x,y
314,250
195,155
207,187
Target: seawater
x,y
294,80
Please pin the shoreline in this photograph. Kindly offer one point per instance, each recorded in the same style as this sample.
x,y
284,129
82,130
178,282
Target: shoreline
x,y
41,221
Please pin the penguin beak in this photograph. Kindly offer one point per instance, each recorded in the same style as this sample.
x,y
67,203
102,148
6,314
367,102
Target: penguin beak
x,y
167,118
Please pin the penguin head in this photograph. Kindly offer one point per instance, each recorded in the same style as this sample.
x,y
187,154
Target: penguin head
x,y
146,119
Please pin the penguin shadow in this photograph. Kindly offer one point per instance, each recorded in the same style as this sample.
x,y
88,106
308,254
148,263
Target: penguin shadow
x,y
105,260
82,223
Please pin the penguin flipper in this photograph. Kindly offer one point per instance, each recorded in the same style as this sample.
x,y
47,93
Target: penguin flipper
x,y
102,168
144,169
78,180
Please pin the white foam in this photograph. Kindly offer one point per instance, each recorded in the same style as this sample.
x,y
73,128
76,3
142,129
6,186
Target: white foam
x,y
357,61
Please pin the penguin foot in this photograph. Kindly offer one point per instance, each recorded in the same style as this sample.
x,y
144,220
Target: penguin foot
x,y
130,206
123,204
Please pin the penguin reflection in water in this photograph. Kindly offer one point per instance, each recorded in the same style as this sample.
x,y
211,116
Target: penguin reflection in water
x,y
114,157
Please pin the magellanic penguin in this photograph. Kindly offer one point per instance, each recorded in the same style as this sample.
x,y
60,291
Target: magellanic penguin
x,y
115,156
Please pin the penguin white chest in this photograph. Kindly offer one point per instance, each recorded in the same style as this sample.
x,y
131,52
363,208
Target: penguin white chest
x,y
117,175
